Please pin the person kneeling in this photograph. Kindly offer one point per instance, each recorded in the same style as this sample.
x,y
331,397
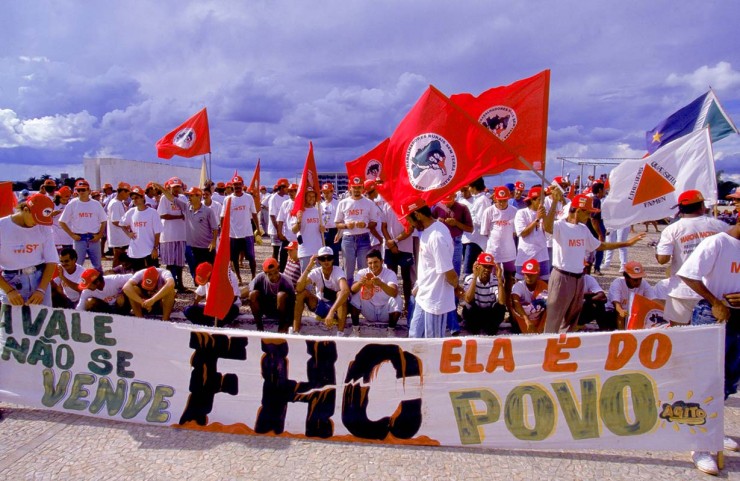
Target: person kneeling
x,y
330,283
195,313
529,299
375,295
103,293
272,295
484,304
152,290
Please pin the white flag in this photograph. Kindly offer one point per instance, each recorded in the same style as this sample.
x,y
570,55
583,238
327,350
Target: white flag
x,y
647,189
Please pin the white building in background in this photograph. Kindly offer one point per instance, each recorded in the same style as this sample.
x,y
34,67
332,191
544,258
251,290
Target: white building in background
x,y
101,170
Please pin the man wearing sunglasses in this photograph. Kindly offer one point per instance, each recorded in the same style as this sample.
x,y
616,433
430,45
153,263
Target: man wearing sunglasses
x,y
84,220
329,301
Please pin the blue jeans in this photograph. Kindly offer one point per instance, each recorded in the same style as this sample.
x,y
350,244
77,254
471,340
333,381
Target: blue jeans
x,y
453,323
25,284
85,247
471,252
703,315
426,325
355,248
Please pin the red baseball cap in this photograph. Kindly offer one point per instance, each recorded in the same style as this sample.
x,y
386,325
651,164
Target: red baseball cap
x,y
293,187
690,197
269,264
220,185
369,185
282,183
107,185
195,191
65,191
501,193
327,187
583,202
412,206
534,193
634,269
87,278
136,190
519,185
451,197
559,179
203,273
237,179
485,259
41,207
292,245
356,181
124,186
151,276
50,183
175,181
734,194
82,183
531,267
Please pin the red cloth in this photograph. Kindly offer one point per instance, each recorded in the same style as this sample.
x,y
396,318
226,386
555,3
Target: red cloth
x,y
645,313
310,178
254,185
517,114
188,140
368,166
8,200
437,149
220,293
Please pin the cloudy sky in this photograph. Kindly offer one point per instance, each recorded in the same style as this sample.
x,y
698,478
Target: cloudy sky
x,y
107,79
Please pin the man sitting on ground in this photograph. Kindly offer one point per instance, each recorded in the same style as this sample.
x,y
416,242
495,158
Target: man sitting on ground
x,y
152,290
332,291
375,294
484,304
620,291
529,299
65,290
195,314
104,294
594,299
272,295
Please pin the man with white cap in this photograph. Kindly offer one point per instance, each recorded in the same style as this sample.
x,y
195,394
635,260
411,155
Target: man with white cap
x,y
677,242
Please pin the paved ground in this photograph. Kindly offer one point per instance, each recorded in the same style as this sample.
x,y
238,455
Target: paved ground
x,y
36,444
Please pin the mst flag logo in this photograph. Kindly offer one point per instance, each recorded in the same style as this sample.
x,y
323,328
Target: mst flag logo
x,y
372,169
185,138
430,162
500,120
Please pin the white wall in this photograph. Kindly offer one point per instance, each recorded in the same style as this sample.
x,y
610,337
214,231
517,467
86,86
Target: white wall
x,y
99,171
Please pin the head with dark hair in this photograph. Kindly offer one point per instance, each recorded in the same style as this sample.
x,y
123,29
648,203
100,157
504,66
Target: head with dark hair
x,y
68,251
695,208
597,188
478,184
374,253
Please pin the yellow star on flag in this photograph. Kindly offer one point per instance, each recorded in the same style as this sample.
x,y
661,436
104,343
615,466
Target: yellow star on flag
x,y
657,136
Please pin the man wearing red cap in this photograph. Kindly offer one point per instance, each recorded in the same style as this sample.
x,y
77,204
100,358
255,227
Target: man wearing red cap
x,y
376,240
84,220
497,225
677,242
532,240
151,290
272,295
529,299
48,188
621,291
118,239
28,257
99,293
241,234
143,227
194,313
483,300
437,280
219,194
477,241
152,196
517,200
572,242
61,200
328,212
356,216
173,239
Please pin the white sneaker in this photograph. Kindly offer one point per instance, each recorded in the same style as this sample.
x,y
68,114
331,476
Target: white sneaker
x,y
704,462
290,330
390,332
340,333
731,444
355,331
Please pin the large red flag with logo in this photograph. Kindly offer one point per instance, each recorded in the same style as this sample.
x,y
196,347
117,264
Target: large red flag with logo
x,y
310,178
517,114
188,140
645,313
220,294
437,149
254,185
368,166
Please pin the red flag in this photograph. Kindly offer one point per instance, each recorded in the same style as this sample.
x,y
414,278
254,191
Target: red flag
x,y
310,178
517,114
437,149
220,294
8,200
645,313
188,140
254,185
368,166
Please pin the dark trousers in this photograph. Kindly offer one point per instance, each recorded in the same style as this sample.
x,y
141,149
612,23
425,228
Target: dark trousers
x,y
329,237
143,263
195,256
195,315
487,319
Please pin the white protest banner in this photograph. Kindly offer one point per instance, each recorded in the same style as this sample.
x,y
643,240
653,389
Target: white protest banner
x,y
647,189
647,389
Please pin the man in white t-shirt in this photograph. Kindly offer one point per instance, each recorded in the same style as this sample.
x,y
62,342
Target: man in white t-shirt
x,y
572,243
173,239
241,234
65,291
375,295
118,239
713,272
84,220
477,241
99,293
621,291
437,280
677,242
594,301
532,241
328,212
399,251
498,225
330,292
143,227
152,290
307,227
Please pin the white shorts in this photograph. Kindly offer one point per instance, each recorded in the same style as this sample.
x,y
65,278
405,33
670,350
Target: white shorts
x,y
679,310
374,313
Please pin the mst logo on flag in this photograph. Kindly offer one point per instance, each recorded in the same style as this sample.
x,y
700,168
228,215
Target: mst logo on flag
x,y
500,120
188,140
430,162
370,164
